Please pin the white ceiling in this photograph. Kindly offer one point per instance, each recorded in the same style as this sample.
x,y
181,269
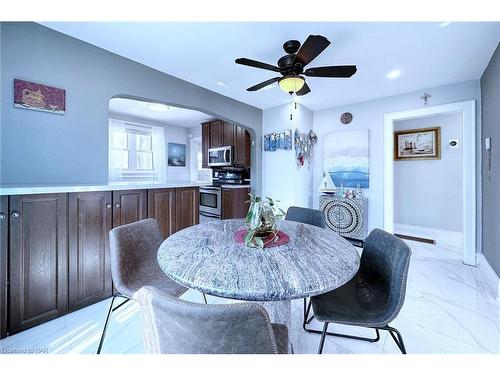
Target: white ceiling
x,y
427,54
186,118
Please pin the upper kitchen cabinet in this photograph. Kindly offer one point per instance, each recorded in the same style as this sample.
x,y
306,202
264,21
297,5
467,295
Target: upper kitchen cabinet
x,y
129,206
38,263
219,133
241,147
205,143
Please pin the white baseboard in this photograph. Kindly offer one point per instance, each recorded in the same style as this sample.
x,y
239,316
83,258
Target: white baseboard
x,y
490,276
442,237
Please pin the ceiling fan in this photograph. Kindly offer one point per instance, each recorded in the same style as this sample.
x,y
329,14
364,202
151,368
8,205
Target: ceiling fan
x,y
291,66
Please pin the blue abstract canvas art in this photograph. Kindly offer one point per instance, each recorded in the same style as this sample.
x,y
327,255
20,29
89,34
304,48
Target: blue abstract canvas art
x,y
346,158
176,155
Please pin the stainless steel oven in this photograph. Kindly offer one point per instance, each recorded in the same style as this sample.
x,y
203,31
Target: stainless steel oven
x,y
210,203
220,156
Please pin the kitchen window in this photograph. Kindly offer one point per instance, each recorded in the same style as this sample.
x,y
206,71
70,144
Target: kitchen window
x,y
136,152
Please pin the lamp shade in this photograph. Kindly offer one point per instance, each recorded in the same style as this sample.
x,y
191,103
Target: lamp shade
x,y
291,83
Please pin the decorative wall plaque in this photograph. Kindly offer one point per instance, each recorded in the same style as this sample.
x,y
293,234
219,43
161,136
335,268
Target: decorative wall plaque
x,y
346,118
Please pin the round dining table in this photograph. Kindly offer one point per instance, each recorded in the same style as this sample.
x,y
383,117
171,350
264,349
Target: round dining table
x,y
206,257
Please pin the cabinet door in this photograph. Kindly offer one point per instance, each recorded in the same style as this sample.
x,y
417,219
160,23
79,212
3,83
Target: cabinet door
x,y
215,134
129,206
187,207
205,143
227,134
89,258
227,204
4,213
161,206
242,147
38,259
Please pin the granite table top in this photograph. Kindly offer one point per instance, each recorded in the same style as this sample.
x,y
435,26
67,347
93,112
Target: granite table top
x,y
206,257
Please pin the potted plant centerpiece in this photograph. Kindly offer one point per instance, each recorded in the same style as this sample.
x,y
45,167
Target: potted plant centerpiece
x,y
261,221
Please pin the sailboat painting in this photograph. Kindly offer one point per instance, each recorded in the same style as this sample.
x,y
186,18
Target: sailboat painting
x,y
346,158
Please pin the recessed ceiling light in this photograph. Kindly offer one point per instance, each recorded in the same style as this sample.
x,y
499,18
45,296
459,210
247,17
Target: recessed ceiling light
x,y
158,107
222,84
444,24
393,74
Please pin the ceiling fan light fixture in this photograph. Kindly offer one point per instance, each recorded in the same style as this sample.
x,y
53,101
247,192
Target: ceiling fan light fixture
x,y
291,83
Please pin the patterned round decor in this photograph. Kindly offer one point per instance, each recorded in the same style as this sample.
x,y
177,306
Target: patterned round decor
x,y
344,216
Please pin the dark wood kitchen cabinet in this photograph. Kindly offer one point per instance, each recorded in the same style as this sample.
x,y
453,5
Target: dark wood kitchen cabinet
x,y
205,143
215,133
38,259
4,214
129,206
162,207
242,144
219,133
187,207
234,204
90,220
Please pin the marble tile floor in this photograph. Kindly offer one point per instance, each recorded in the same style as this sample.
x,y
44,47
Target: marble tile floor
x,y
449,308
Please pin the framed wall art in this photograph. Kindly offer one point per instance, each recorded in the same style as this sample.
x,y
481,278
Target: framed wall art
x,y
39,97
176,155
417,144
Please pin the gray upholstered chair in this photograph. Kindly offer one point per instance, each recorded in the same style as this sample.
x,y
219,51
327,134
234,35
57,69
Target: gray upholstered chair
x,y
134,264
174,326
307,216
374,297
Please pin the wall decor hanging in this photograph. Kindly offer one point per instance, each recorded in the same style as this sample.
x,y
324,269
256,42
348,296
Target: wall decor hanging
x,y
176,155
346,118
38,97
304,143
278,141
346,158
417,144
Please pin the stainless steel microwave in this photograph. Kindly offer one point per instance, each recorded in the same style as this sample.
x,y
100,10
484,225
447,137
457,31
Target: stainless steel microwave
x,y
220,156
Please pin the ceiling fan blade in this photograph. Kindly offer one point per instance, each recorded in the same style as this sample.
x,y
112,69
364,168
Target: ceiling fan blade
x,y
339,71
312,47
304,90
256,64
263,84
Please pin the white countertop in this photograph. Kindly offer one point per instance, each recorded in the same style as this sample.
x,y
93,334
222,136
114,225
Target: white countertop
x,y
235,186
47,189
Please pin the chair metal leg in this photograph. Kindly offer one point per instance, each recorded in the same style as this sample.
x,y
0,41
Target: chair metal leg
x,y
306,315
110,310
323,336
205,298
398,339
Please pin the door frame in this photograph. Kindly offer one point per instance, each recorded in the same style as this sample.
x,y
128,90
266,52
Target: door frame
x,y
468,111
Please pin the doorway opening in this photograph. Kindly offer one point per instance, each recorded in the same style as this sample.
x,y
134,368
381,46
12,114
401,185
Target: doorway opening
x,y
432,198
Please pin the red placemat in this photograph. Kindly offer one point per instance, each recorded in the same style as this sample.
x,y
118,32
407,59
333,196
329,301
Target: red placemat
x,y
270,241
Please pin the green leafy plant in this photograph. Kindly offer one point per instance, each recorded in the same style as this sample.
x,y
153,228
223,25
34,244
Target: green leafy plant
x,y
261,220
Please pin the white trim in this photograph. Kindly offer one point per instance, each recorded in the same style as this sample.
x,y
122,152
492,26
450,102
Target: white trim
x,y
441,236
468,110
491,278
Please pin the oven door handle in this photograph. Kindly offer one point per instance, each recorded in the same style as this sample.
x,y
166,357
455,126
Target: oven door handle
x,y
214,216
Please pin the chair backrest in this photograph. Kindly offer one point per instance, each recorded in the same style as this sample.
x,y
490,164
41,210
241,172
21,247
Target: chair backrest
x,y
384,262
133,249
306,216
174,326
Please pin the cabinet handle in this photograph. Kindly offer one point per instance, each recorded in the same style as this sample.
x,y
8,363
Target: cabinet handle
x,y
117,205
15,214
2,216
109,205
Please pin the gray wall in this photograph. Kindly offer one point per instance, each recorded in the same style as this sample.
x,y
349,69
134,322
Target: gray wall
x,y
43,148
428,193
490,98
